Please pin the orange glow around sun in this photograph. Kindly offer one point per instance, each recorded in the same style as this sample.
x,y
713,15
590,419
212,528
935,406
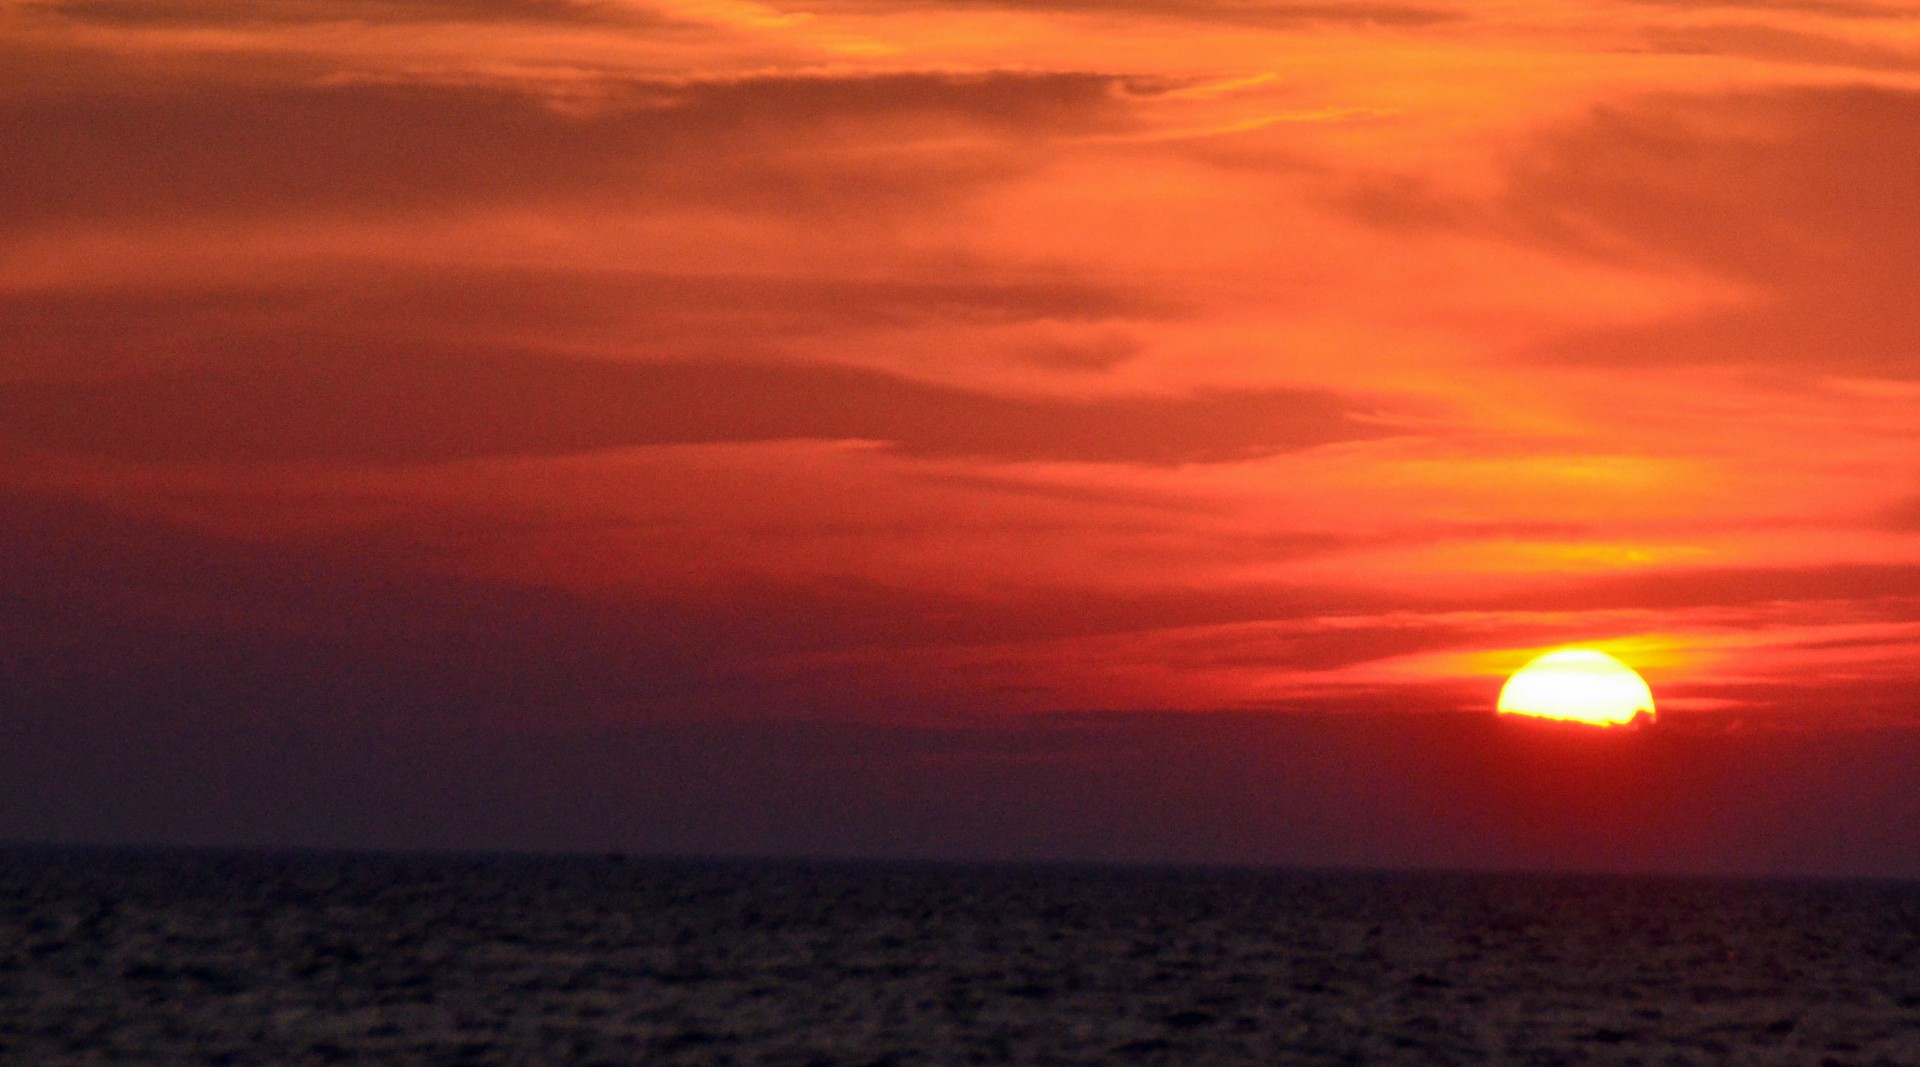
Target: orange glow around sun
x,y
1578,685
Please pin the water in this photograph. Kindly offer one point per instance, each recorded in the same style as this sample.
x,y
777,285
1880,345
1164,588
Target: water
x,y
188,958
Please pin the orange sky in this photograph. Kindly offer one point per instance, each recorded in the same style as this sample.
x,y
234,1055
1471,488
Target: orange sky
x,y
925,362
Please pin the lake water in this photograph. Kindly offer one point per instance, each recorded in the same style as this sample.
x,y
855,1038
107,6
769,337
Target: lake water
x,y
200,958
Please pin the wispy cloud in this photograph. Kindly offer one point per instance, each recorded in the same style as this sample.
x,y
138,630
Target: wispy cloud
x,y
1205,354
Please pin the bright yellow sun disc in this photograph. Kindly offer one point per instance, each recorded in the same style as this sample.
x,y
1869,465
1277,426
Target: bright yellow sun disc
x,y
1577,685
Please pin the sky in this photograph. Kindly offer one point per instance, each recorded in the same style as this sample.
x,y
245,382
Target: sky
x,y
1145,431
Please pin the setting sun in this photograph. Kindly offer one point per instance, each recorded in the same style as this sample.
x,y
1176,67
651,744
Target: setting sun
x,y
1578,685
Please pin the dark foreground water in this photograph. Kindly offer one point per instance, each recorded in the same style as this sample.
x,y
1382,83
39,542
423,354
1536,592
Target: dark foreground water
x,y
260,959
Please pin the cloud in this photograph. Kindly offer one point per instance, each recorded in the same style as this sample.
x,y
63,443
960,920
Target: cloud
x,y
1832,8
1790,193
1778,43
1904,515
1894,587
412,407
791,145
95,333
168,627
294,12
163,626
1787,195
1266,13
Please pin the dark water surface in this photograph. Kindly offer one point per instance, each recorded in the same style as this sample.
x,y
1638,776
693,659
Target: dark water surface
x,y
189,958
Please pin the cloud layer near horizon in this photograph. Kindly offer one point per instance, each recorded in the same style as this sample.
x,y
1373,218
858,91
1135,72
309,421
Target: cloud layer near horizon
x,y
608,363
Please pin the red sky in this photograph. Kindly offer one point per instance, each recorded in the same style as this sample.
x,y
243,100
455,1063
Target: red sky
x,y
1143,430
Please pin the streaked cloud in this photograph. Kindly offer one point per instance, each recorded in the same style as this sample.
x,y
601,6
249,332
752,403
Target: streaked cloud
x,y
393,407
1192,355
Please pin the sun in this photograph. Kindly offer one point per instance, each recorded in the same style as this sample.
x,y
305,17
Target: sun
x,y
1578,685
